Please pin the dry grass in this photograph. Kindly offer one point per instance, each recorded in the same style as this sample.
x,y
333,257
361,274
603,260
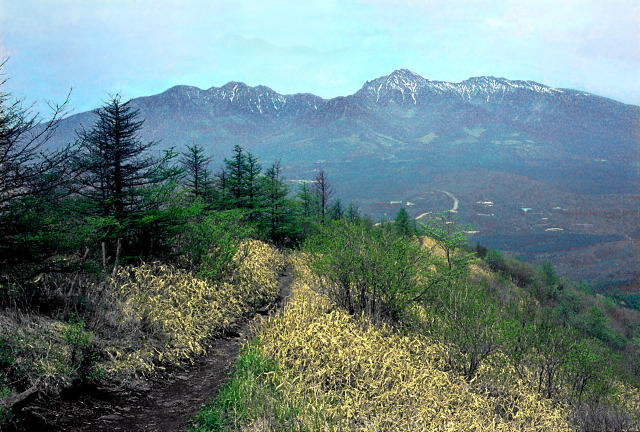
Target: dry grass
x,y
345,373
179,313
148,317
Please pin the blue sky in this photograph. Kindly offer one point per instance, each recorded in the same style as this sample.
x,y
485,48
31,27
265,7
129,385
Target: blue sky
x,y
326,47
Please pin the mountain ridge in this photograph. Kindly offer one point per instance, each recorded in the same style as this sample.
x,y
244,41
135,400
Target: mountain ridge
x,y
403,138
501,83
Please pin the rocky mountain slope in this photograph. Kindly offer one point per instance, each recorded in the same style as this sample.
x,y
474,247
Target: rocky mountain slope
x,y
569,156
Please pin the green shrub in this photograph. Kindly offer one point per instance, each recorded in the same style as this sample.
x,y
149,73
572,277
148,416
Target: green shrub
x,y
468,323
495,260
372,270
210,243
548,274
5,392
588,368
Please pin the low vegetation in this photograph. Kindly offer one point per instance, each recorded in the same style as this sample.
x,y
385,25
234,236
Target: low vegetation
x,y
452,349
118,262
146,318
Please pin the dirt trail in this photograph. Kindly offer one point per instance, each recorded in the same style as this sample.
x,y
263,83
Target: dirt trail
x,y
167,406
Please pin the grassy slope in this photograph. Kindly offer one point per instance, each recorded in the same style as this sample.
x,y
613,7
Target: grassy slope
x,y
149,317
314,367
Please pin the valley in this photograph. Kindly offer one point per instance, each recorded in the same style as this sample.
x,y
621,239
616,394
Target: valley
x,y
569,156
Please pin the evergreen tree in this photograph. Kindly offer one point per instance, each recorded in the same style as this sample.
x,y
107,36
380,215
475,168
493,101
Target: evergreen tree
x,y
402,223
336,211
277,210
324,191
253,174
222,194
236,177
353,212
117,171
25,169
196,167
31,181
308,201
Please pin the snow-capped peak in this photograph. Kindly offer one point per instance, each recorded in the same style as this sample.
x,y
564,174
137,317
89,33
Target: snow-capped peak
x,y
404,86
488,86
401,83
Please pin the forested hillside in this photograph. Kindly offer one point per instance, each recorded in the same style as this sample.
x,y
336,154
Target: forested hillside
x,y
568,156
120,262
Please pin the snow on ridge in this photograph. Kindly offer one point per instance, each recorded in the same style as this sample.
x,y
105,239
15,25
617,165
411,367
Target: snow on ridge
x,y
401,85
401,80
409,86
488,86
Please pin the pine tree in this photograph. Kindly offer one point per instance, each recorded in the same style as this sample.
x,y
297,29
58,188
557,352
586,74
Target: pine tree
x,y
236,177
402,223
307,201
25,168
277,211
222,194
117,171
196,167
252,183
336,211
353,212
31,182
324,191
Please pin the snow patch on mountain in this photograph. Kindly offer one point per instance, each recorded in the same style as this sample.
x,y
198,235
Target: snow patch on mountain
x,y
404,86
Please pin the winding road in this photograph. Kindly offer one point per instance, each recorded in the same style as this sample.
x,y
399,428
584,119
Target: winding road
x,y
453,209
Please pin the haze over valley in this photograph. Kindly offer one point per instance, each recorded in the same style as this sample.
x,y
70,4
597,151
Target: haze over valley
x,y
548,174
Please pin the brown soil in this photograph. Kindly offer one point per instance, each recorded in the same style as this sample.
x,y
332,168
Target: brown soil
x,y
167,405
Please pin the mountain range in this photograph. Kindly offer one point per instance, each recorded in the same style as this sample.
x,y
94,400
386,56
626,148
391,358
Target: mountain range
x,y
547,173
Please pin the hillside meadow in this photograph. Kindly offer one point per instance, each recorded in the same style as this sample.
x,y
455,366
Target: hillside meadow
x,y
316,366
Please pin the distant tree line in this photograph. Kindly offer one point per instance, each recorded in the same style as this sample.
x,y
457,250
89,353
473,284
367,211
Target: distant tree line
x,y
111,198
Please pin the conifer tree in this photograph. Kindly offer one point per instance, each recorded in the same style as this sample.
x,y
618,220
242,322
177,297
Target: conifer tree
x,y
353,212
307,200
336,211
30,178
25,169
276,208
196,167
252,183
324,191
117,170
402,223
236,177
222,194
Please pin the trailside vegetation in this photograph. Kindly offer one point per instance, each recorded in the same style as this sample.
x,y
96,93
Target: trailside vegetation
x,y
119,260
386,330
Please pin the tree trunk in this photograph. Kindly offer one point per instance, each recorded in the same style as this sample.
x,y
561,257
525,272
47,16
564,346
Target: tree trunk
x,y
115,263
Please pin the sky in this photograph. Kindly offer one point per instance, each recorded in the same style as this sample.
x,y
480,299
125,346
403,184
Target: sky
x,y
326,47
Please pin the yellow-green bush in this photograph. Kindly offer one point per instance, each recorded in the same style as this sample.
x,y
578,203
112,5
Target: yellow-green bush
x,y
344,372
149,315
180,312
37,350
